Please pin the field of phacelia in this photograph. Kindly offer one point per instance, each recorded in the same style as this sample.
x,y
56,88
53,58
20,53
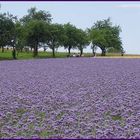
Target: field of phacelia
x,y
70,98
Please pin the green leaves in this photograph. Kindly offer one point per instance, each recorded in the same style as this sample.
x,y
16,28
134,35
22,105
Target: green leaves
x,y
74,37
70,34
7,29
36,32
40,15
104,35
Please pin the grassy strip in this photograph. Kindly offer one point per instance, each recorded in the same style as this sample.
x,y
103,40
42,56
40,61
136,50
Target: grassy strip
x,y
7,55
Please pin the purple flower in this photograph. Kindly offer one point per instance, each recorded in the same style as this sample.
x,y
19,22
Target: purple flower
x,y
99,98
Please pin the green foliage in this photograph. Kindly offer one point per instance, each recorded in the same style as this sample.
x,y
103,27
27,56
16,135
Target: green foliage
x,y
55,36
104,35
70,37
81,40
20,36
45,134
7,29
113,50
35,33
116,117
33,14
36,23
35,30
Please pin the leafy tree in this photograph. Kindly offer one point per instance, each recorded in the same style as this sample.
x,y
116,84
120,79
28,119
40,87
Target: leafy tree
x,y
70,37
114,50
40,15
20,36
7,30
82,40
104,35
36,25
55,37
35,34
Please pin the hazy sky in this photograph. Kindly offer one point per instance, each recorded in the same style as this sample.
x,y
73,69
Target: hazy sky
x,y
84,14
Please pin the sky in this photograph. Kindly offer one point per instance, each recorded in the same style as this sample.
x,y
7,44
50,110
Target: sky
x,y
84,14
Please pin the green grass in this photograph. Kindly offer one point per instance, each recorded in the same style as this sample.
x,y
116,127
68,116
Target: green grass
x,y
116,117
59,116
45,134
7,55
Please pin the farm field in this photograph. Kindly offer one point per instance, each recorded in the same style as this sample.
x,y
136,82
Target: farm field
x,y
70,98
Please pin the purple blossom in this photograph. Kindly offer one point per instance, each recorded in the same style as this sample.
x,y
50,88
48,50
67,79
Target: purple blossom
x,y
70,98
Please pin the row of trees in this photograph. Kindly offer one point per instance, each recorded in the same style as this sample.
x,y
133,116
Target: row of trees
x,y
36,30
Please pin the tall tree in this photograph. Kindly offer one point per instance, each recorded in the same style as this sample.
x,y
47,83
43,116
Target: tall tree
x,y
20,36
55,37
70,40
82,40
36,24
35,34
33,14
7,30
104,35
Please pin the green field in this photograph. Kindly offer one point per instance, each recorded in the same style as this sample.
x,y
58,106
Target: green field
x,y
7,55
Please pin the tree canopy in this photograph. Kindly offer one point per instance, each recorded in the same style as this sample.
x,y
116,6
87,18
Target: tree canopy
x,y
104,35
70,40
56,36
36,29
7,30
35,33
33,14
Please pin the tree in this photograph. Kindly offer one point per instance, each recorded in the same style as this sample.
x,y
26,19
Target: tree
x,y
36,25
55,37
20,36
94,48
35,34
7,29
70,37
40,15
122,51
82,40
104,35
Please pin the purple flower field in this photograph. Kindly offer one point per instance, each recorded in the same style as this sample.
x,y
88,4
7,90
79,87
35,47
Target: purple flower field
x,y
70,98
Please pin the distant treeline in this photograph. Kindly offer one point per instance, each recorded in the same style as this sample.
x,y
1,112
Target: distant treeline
x,y
36,29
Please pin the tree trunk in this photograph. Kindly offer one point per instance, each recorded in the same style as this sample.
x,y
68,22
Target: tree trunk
x,y
93,52
69,48
2,49
21,50
103,52
53,51
14,53
44,49
35,51
81,52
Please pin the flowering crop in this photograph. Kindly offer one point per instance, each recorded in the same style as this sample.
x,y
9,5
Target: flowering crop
x,y
70,98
